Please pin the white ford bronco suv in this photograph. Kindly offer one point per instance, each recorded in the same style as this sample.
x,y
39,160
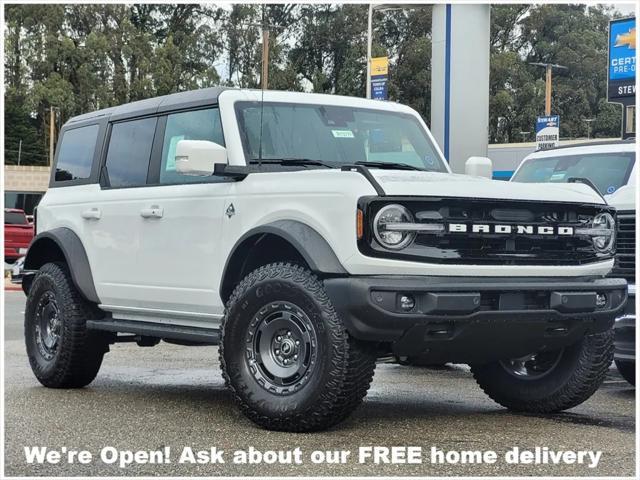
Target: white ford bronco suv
x,y
612,168
308,235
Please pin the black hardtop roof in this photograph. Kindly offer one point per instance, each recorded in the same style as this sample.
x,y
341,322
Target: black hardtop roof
x,y
150,106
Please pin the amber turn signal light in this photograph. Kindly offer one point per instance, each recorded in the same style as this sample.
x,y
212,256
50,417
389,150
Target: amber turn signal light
x,y
359,224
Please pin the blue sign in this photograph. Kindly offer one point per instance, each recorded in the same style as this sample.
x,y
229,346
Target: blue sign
x,y
622,49
547,131
552,121
622,58
379,87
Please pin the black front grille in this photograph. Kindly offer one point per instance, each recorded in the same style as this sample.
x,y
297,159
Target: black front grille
x,y
490,248
625,265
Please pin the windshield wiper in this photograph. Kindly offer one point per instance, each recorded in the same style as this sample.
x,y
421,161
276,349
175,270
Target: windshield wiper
x,y
390,165
291,162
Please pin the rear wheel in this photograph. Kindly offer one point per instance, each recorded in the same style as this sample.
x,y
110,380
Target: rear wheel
x,y
62,352
628,370
286,354
548,382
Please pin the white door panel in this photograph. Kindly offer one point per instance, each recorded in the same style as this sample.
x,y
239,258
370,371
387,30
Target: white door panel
x,y
163,262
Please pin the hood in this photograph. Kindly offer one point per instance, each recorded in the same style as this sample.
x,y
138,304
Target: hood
x,y
396,182
623,199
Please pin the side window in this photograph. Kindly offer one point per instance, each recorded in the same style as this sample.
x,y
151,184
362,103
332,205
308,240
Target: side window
x,y
129,152
75,156
195,125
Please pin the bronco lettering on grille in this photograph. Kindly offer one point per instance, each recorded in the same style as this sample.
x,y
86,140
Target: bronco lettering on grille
x,y
508,229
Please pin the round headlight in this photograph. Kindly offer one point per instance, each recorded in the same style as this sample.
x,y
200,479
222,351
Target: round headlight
x,y
605,242
383,227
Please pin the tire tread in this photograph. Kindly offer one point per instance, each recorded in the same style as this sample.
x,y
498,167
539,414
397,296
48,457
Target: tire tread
x,y
351,378
80,356
593,363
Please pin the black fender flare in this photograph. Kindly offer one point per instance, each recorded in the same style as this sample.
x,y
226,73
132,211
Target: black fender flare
x,y
74,254
312,246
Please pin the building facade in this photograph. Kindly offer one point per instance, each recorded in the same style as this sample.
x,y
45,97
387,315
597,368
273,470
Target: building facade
x,y
24,186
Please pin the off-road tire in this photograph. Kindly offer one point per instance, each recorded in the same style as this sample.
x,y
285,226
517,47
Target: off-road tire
x,y
343,370
576,377
628,370
79,352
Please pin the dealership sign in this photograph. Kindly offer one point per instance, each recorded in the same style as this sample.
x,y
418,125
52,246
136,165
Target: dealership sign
x,y
379,77
547,132
622,58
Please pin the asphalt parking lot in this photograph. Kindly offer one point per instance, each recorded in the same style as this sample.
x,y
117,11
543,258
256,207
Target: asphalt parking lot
x,y
151,398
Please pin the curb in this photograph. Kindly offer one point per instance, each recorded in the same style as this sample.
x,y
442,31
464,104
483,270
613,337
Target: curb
x,y
11,287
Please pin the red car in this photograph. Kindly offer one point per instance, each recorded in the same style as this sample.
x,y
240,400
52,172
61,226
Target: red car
x,y
18,233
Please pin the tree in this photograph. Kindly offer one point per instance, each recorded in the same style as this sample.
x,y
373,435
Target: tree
x,y
576,37
78,58
405,37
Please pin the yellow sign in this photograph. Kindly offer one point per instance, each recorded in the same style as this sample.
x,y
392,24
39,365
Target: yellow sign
x,y
628,39
379,66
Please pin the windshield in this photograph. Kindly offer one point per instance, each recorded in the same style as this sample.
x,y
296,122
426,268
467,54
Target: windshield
x,y
335,135
15,218
608,171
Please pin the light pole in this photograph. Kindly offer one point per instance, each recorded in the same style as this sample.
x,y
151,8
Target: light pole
x,y
588,121
380,7
264,26
547,96
369,40
52,132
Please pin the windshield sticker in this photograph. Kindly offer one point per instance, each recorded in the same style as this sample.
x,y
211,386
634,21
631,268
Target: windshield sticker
x,y
611,189
342,133
557,177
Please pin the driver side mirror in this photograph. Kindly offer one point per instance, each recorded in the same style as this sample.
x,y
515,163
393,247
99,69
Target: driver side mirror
x,y
479,167
199,157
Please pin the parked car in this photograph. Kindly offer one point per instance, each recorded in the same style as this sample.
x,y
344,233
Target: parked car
x,y
18,233
308,235
612,168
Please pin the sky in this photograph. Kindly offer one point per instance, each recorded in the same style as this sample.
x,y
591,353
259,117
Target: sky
x,y
625,8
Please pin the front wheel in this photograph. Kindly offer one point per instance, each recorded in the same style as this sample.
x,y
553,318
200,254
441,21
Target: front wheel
x,y
286,354
549,382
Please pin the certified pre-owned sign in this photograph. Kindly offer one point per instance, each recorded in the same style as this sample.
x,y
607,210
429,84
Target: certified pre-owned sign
x,y
622,58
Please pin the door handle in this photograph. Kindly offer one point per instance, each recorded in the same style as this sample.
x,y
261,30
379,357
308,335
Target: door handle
x,y
92,214
152,212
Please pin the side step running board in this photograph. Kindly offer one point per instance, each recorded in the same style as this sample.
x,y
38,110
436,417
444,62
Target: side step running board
x,y
158,330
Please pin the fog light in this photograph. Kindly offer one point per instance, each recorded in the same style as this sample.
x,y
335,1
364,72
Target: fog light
x,y
407,302
601,300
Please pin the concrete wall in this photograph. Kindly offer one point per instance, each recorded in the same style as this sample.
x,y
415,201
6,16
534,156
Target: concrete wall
x,y
460,81
21,178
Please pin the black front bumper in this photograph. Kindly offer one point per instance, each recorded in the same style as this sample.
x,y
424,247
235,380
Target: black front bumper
x,y
480,319
625,330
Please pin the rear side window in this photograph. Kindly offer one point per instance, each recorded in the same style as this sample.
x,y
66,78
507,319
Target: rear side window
x,y
129,152
15,218
195,125
75,156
